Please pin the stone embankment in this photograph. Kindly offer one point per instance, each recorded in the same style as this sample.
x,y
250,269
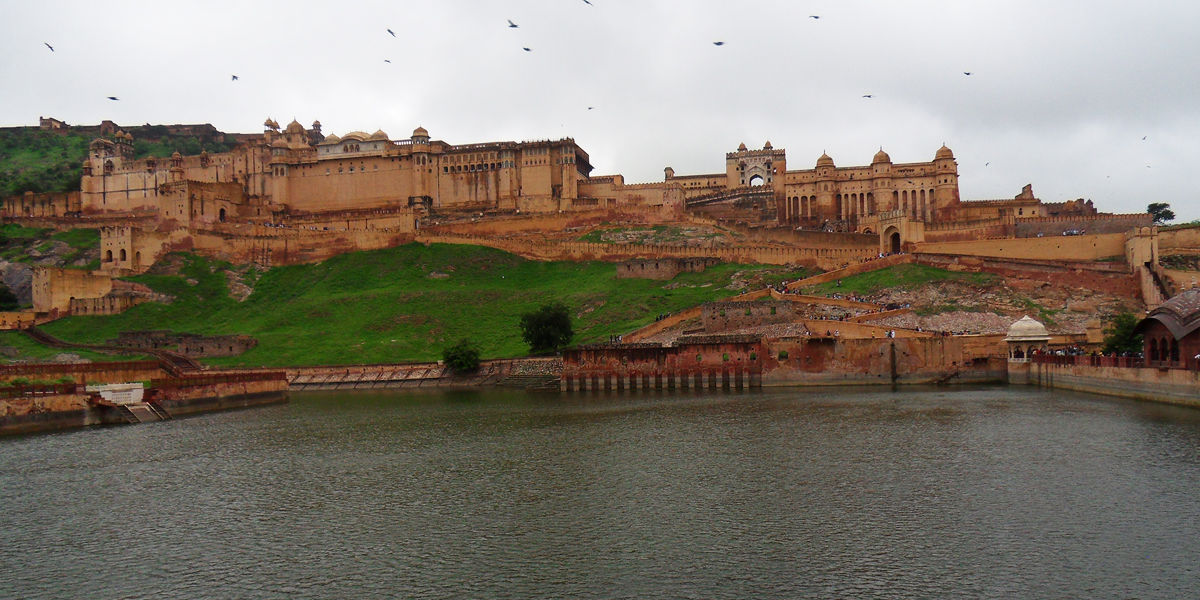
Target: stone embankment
x,y
521,372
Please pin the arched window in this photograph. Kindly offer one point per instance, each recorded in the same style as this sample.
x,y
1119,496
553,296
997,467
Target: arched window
x,y
108,256
1175,350
221,215
123,255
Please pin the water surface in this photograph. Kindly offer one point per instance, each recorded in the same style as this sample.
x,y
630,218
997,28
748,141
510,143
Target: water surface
x,y
985,493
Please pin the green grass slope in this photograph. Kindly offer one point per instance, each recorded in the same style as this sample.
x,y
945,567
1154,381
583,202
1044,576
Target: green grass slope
x,y
16,346
404,304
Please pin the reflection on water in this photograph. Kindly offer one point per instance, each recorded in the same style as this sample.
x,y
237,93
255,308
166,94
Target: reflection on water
x,y
988,493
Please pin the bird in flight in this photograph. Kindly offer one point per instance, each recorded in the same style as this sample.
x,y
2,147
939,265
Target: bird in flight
x,y
591,107
986,164
868,95
235,78
587,2
512,25
718,43
386,60
814,16
966,72
527,49
392,32
1144,137
49,46
113,98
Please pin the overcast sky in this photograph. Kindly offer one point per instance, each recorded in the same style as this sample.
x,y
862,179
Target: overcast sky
x,y
1060,94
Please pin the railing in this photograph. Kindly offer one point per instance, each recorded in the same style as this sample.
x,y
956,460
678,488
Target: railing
x,y
1121,362
20,391
200,380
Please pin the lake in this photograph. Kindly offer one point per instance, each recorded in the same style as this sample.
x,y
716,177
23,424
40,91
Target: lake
x,y
983,492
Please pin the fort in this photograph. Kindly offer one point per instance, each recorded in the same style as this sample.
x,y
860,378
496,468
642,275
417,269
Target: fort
x,y
296,195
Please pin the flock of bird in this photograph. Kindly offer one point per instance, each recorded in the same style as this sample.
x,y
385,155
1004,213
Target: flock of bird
x,y
513,25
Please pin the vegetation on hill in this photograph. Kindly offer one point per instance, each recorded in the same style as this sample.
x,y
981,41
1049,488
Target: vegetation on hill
x,y
16,346
32,160
901,276
407,303
73,248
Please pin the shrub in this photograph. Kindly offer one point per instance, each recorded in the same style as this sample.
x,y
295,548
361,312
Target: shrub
x,y
1119,336
463,357
548,328
783,355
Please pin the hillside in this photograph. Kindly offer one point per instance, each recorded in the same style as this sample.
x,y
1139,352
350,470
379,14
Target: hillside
x,y
39,161
403,304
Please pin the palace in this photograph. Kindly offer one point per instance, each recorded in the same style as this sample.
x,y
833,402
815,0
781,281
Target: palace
x,y
303,180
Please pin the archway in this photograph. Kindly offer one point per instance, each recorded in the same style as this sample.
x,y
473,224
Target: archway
x,y
756,181
123,255
891,239
108,256
221,215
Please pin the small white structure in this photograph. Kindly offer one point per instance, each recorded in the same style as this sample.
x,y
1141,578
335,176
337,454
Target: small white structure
x,y
120,393
1024,337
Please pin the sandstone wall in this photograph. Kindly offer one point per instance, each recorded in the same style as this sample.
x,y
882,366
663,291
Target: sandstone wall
x,y
54,289
1172,386
1182,237
1077,247
1093,224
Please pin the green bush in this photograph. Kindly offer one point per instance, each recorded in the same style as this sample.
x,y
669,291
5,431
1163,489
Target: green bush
x,y
783,355
548,328
1119,336
463,357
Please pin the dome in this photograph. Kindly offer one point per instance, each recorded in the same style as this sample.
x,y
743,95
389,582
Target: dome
x,y
378,135
176,155
881,157
360,136
316,124
420,132
1027,330
824,161
267,123
294,127
742,147
943,152
1180,314
332,139
279,143
767,146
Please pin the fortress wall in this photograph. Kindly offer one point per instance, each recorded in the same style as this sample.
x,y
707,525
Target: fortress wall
x,y
866,267
1077,247
312,246
720,317
310,189
55,288
584,251
806,239
40,205
17,320
1180,237
1093,224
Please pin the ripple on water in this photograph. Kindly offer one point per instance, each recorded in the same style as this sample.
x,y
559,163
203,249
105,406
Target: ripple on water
x,y
991,493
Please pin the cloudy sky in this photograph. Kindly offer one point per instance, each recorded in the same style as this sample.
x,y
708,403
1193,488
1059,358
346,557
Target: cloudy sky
x,y
1061,93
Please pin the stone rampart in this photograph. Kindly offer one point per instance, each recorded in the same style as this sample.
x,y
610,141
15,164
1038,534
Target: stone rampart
x,y
1181,236
864,267
812,361
1071,248
587,251
1092,224
85,373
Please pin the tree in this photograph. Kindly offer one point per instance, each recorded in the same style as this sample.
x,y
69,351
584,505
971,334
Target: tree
x,y
1162,213
1119,336
462,357
8,300
548,328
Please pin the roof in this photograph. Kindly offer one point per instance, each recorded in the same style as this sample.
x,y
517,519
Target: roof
x,y
1180,315
1027,330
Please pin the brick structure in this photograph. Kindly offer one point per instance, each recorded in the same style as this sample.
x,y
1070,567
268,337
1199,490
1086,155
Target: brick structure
x,y
663,268
702,361
187,344
719,317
